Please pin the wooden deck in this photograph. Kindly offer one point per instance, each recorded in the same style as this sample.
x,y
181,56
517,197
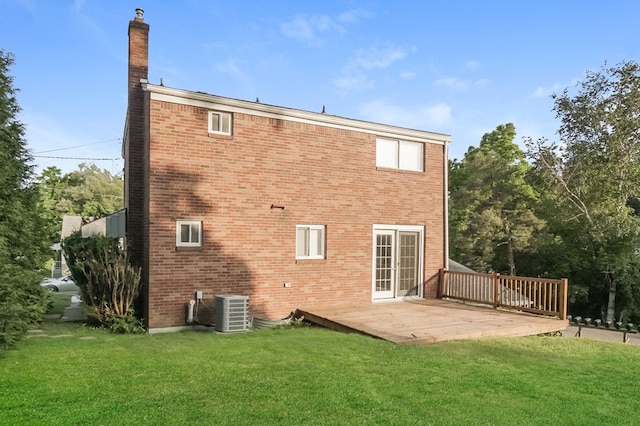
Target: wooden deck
x,y
429,321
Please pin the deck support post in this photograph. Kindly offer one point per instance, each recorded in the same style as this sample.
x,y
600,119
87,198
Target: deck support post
x,y
564,290
496,293
441,283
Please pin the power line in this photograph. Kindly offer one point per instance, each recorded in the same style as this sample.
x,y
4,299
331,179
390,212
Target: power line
x,y
76,158
77,146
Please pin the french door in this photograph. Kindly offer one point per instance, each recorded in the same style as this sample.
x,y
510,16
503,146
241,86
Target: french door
x,y
397,262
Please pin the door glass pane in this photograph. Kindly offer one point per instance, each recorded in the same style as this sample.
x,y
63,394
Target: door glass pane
x,y
408,264
383,262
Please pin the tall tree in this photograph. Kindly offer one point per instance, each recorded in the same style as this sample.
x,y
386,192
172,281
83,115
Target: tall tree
x,y
51,185
23,240
93,192
89,192
491,204
594,173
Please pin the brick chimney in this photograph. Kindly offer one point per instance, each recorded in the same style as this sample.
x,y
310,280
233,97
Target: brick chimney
x,y
136,169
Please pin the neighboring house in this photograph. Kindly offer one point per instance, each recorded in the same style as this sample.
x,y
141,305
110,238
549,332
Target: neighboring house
x,y
290,208
95,227
459,267
70,224
111,226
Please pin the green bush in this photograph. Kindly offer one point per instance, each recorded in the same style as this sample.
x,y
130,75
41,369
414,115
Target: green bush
x,y
108,283
23,303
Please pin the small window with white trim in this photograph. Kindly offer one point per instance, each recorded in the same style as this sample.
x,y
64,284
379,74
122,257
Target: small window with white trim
x,y
188,233
310,241
400,155
220,122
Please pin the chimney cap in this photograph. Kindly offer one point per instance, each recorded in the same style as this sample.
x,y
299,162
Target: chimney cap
x,y
139,14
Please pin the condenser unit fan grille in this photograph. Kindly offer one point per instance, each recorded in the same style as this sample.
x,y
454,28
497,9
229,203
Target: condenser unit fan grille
x,y
231,313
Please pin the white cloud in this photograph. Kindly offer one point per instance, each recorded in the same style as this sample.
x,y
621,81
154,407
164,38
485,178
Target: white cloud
x,y
420,117
353,83
472,65
78,5
452,82
459,83
407,75
308,28
438,114
353,76
545,92
353,16
230,67
378,57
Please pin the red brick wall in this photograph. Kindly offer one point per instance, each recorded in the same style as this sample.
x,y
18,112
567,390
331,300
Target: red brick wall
x,y
135,155
323,176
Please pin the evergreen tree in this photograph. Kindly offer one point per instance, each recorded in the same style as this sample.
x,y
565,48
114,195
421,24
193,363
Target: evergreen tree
x,y
492,220
23,238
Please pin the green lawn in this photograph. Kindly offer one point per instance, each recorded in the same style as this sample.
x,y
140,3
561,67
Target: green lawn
x,y
71,374
60,301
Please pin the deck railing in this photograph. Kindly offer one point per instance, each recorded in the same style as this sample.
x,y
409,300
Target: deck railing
x,y
541,296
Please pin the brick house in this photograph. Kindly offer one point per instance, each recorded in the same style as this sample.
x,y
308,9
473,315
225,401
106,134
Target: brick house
x,y
288,207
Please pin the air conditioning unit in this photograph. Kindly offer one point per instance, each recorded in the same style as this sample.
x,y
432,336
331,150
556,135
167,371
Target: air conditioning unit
x,y
231,313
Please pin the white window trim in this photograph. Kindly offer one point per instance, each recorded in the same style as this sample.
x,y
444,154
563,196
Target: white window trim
x,y
398,157
322,228
191,223
220,114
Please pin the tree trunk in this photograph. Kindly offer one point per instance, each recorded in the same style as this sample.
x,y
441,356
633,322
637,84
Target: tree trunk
x,y
611,304
510,257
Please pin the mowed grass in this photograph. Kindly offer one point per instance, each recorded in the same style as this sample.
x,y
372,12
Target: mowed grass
x,y
60,300
70,374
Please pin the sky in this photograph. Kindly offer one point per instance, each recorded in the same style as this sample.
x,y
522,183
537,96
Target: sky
x,y
456,67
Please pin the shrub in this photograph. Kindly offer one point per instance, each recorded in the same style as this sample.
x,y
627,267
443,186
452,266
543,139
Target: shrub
x,y
108,283
23,303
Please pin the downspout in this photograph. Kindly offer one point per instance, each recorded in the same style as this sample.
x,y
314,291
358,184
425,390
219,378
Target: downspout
x,y
446,205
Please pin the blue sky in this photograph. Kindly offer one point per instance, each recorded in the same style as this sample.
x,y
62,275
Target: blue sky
x,y
455,67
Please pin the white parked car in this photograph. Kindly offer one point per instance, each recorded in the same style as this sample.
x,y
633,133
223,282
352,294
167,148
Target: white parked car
x,y
65,284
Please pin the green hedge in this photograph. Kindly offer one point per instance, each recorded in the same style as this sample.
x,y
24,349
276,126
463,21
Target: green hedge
x,y
23,303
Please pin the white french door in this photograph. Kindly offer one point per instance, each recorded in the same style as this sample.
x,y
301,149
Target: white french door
x,y
385,265
397,261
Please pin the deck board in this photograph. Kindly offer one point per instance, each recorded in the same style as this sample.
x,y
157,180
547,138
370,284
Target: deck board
x,y
429,321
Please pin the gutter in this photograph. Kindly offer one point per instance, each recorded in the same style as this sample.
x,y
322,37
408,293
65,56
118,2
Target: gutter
x,y
446,205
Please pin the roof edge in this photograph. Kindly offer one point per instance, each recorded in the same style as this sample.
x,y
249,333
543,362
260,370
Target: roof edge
x,y
205,100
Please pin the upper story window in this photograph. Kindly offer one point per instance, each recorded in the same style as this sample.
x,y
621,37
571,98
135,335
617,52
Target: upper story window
x,y
188,233
400,155
310,241
220,122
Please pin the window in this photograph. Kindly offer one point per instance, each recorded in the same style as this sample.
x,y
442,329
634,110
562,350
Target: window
x,y
220,122
188,233
400,155
310,241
